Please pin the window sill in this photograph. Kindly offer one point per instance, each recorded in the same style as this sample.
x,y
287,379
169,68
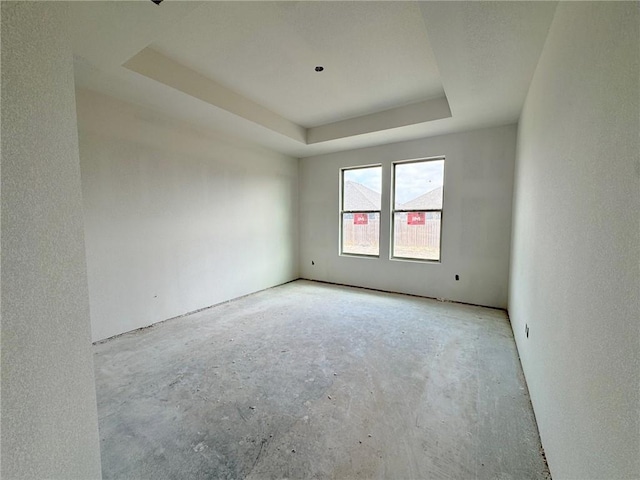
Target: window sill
x,y
415,260
358,255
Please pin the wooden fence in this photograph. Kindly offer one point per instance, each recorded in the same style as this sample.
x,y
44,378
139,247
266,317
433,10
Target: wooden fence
x,y
361,239
427,235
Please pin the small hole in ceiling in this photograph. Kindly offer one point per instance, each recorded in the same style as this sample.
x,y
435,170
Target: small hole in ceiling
x,y
319,68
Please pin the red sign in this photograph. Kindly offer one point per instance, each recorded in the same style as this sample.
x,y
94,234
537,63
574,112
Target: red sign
x,y
415,218
360,218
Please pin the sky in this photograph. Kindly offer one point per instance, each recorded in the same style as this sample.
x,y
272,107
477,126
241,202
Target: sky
x,y
369,177
415,179
412,179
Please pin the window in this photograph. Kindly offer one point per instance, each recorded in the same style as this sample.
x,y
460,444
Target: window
x,y
360,211
417,209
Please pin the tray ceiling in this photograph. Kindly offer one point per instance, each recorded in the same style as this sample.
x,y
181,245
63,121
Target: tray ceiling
x,y
393,71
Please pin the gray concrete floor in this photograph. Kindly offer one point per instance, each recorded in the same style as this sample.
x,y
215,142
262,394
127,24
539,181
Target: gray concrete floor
x,y
309,380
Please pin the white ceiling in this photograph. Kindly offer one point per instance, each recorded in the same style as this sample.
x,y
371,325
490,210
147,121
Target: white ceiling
x,y
247,68
268,52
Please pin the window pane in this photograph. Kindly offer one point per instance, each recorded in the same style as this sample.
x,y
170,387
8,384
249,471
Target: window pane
x,y
418,186
417,235
361,233
361,188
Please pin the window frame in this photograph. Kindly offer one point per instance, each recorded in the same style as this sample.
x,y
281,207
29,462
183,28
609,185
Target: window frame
x,y
393,210
342,212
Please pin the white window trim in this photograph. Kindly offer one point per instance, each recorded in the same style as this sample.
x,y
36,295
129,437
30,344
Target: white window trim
x,y
342,212
393,211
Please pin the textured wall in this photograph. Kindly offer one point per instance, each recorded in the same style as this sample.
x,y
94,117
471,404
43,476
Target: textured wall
x,y
574,277
177,219
476,219
49,417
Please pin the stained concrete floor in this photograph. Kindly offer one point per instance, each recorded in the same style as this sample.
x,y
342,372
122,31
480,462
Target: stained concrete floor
x,y
309,380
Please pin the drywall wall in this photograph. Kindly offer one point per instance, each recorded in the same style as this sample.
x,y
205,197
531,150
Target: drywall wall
x,y
476,219
177,219
49,416
575,277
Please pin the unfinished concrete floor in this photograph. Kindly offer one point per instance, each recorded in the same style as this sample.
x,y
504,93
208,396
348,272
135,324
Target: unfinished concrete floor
x,y
309,380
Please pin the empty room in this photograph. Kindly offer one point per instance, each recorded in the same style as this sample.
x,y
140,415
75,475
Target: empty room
x,y
318,239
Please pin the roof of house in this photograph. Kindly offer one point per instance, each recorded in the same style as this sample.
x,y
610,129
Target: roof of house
x,y
431,200
359,197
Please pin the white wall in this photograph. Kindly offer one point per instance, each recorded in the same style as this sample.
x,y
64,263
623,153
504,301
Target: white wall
x,y
575,276
476,219
177,219
49,416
